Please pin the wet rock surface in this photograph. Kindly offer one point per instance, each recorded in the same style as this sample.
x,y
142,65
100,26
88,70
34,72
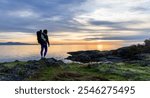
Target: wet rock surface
x,y
119,55
94,56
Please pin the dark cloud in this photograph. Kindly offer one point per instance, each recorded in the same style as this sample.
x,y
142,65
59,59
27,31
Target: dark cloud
x,y
135,37
110,23
58,16
120,26
12,20
115,25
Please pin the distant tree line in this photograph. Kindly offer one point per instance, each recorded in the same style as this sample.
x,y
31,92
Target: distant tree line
x,y
131,51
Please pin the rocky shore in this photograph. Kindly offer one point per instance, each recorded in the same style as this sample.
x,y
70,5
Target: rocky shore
x,y
17,70
124,64
135,53
95,56
55,70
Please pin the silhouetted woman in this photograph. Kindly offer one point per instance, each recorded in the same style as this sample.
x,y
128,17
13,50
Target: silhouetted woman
x,y
44,41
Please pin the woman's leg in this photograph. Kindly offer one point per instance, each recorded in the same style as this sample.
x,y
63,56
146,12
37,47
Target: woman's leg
x,y
42,48
45,46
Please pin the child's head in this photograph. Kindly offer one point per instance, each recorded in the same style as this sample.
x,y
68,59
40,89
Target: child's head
x,y
45,31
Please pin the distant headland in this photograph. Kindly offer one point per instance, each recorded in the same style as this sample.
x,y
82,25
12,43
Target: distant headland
x,y
15,43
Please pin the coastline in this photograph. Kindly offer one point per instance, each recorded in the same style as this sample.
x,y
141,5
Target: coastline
x,y
55,70
130,63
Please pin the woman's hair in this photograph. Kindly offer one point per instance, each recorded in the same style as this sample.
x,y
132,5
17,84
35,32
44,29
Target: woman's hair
x,y
45,31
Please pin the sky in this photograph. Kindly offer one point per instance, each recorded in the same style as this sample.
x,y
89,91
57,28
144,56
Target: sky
x,y
75,21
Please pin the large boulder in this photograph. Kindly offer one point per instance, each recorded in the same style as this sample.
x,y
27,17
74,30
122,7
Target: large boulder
x,y
51,62
84,58
93,56
87,56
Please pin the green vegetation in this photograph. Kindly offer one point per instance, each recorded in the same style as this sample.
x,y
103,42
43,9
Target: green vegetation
x,y
13,64
94,72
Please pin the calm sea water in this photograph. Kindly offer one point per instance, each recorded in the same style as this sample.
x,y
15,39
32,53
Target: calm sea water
x,y
31,52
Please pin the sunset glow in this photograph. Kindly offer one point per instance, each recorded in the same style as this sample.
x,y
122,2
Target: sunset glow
x,y
75,21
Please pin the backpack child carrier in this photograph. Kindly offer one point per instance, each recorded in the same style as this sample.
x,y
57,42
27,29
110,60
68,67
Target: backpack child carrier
x,y
39,36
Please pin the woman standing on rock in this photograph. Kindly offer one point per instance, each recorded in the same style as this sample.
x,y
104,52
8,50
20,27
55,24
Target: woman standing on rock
x,y
43,40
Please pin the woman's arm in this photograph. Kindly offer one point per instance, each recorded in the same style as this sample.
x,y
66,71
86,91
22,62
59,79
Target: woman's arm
x,y
48,41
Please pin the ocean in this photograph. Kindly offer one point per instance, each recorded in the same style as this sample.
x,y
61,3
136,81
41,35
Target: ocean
x,y
10,53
